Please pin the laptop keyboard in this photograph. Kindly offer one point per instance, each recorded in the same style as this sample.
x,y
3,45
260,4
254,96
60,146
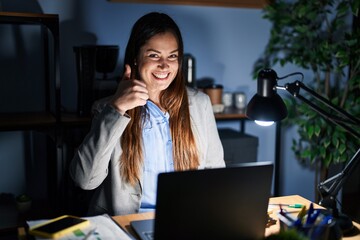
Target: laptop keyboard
x,y
149,235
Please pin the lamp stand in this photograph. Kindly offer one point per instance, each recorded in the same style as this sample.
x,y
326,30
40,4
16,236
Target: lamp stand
x,y
329,188
344,221
267,106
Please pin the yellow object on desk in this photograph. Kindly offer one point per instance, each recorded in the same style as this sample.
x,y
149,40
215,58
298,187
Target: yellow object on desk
x,y
58,227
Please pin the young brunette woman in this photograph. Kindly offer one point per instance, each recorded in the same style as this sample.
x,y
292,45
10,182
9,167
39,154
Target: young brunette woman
x,y
152,124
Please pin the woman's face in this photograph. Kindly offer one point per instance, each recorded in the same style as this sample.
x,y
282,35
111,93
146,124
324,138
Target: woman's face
x,y
158,62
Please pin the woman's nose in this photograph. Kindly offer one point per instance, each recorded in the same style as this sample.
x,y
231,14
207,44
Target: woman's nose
x,y
163,63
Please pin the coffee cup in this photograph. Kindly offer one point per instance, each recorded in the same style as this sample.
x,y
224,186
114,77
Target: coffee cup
x,y
215,93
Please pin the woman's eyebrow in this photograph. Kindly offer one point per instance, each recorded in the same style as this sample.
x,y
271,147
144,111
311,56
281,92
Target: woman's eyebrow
x,y
152,50
157,51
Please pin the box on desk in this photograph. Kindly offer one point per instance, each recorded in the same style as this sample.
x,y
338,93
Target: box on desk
x,y
238,147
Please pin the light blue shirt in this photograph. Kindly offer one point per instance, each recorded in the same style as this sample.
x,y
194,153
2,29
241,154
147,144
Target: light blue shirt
x,y
157,153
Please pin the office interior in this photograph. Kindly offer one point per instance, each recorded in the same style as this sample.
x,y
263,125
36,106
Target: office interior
x,y
225,41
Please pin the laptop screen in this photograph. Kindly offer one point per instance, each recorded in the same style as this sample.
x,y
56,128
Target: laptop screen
x,y
223,203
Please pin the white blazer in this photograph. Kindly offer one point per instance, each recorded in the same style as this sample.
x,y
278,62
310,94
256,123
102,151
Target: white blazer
x,y
96,163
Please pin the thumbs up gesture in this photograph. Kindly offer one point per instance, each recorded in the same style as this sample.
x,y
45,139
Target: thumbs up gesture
x,y
130,93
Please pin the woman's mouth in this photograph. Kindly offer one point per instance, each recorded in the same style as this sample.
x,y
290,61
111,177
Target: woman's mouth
x,y
161,75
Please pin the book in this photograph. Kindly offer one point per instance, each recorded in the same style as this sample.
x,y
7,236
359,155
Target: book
x,y
100,227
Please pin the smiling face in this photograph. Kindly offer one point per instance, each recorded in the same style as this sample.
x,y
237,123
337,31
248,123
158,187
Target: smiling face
x,y
158,63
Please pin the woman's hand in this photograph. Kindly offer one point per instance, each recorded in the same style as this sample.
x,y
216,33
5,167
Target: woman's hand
x,y
130,93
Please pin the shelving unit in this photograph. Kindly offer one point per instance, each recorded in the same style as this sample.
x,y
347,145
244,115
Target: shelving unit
x,y
46,120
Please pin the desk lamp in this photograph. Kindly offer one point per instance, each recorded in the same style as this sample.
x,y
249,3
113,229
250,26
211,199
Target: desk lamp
x,y
266,107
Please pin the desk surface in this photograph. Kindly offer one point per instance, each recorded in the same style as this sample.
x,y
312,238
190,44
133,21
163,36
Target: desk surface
x,y
124,221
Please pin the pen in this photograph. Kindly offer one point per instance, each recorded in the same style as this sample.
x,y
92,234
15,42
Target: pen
x,y
284,217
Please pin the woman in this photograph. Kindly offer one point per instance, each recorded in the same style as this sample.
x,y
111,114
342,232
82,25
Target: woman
x,y
152,124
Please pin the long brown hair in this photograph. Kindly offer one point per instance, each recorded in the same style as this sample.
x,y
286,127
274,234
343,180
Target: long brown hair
x,y
174,100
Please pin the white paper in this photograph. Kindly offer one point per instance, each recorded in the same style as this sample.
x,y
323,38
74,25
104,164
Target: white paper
x,y
100,228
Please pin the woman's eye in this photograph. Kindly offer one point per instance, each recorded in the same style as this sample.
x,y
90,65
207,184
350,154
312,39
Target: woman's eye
x,y
153,55
173,57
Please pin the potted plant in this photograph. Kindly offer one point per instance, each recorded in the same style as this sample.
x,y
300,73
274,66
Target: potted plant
x,y
23,203
322,37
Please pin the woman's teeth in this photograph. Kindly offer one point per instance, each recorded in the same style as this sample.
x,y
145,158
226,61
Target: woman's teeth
x,y
161,75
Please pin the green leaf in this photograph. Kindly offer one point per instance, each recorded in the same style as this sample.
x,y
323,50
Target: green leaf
x,y
301,29
306,153
310,131
341,54
328,160
351,43
323,152
342,9
317,130
335,141
342,148
355,8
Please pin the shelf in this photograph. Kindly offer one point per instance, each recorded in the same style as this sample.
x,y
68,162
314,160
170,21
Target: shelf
x,y
26,121
73,119
28,18
231,114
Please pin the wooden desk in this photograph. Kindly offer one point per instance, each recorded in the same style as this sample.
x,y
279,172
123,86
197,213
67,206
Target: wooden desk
x,y
124,221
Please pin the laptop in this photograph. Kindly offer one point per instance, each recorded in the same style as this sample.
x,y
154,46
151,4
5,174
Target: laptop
x,y
221,203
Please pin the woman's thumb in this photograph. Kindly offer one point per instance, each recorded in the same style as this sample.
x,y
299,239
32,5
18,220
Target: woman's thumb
x,y
127,73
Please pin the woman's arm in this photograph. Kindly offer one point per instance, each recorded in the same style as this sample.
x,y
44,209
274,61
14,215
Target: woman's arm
x,y
205,130
215,151
89,167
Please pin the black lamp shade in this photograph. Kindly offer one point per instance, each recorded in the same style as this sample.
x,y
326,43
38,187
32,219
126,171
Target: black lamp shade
x,y
266,108
266,105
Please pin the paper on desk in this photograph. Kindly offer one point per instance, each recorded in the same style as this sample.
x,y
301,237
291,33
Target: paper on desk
x,y
105,228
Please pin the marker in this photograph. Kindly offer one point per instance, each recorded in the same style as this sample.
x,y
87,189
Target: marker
x,y
302,213
296,205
